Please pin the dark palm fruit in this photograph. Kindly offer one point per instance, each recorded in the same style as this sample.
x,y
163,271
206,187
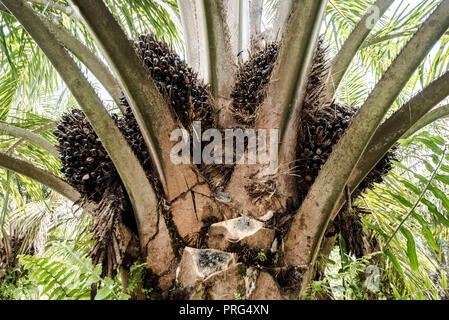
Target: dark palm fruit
x,y
321,128
310,161
82,151
180,86
249,90
322,125
77,162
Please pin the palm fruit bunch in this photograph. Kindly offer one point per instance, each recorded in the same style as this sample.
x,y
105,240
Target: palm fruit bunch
x,y
249,90
85,163
180,86
318,134
131,131
322,126
88,168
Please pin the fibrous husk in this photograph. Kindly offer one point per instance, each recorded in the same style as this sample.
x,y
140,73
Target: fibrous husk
x,y
349,225
108,239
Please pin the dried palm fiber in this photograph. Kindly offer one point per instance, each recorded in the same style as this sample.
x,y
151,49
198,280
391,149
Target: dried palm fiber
x,y
349,225
107,236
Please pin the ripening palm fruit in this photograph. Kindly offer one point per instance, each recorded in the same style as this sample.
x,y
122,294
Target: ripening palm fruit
x,y
252,77
176,81
322,125
86,164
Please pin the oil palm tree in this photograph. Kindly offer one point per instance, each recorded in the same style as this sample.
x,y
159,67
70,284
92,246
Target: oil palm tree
x,y
185,220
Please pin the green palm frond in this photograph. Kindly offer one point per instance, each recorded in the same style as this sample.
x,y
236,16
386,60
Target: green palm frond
x,y
415,261
140,17
382,46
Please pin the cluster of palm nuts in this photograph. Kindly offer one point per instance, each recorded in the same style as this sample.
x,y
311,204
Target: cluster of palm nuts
x,y
179,85
85,163
131,131
253,75
319,133
87,166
